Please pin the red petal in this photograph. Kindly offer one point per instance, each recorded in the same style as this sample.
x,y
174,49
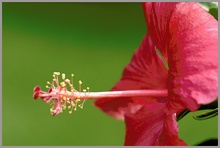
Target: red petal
x,y
193,53
157,17
188,36
145,71
150,126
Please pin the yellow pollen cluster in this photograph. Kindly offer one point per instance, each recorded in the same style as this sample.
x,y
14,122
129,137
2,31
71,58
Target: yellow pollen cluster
x,y
67,99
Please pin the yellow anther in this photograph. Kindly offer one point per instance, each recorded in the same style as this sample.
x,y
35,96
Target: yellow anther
x,y
80,106
64,107
63,76
72,75
67,81
80,85
72,103
62,84
88,91
56,73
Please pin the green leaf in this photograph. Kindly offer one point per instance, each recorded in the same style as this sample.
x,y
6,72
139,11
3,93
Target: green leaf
x,y
182,114
208,5
212,106
210,142
214,12
211,7
207,115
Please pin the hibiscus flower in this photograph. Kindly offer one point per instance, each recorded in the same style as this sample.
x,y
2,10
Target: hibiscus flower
x,y
187,38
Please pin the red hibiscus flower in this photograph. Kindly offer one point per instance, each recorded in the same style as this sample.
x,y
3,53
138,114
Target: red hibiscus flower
x,y
187,37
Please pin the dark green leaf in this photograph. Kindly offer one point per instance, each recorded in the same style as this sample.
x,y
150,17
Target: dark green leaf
x,y
214,12
212,105
208,5
207,115
182,114
210,142
211,7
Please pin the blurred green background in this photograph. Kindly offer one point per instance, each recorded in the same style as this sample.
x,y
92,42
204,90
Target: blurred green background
x,y
92,40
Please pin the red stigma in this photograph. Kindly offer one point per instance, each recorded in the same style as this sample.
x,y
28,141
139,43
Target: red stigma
x,y
36,88
50,90
36,94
